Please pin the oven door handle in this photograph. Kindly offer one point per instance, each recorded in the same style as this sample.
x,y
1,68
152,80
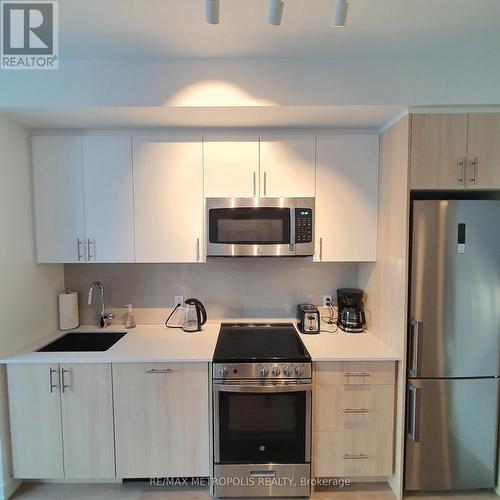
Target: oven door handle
x,y
262,388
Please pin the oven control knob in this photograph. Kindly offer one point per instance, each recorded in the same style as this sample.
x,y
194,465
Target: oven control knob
x,y
223,371
287,371
264,371
276,371
298,371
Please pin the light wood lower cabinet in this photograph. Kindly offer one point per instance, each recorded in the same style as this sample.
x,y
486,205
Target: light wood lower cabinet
x,y
35,421
353,419
87,417
61,419
161,419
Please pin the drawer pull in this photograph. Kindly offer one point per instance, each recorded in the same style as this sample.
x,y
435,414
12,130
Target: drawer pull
x,y
153,370
356,374
356,410
361,456
263,473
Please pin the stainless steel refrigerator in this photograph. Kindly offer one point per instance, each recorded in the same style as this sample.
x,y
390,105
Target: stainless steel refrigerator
x,y
453,345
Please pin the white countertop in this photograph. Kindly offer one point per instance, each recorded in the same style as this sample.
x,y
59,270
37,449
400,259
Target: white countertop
x,y
343,346
156,343
144,343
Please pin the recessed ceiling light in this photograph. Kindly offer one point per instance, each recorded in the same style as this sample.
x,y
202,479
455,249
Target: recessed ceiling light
x,y
340,13
212,11
275,12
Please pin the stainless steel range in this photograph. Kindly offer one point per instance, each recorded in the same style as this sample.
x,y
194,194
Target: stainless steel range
x,y
262,411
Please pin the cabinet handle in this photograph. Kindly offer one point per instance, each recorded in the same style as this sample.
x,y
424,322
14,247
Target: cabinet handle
x,y
321,249
356,374
79,244
361,456
63,383
90,256
155,371
265,183
473,164
255,184
51,380
197,249
356,410
414,346
413,412
461,170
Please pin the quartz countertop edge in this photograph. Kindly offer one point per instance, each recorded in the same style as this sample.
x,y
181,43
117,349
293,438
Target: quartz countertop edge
x,y
157,344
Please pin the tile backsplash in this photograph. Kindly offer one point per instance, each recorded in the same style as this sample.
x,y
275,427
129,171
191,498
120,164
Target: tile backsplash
x,y
229,288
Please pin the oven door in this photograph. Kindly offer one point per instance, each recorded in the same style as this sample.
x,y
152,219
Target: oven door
x,y
250,227
262,423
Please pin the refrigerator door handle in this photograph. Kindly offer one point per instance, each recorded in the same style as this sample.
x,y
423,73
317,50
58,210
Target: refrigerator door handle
x,y
414,346
413,412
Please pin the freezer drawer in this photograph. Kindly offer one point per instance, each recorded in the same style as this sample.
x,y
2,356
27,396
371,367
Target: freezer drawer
x,y
451,438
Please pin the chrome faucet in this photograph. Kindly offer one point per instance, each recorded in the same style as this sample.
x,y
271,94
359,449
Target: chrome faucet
x,y
104,317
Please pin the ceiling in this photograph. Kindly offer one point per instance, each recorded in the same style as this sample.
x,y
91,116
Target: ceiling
x,y
365,117
375,28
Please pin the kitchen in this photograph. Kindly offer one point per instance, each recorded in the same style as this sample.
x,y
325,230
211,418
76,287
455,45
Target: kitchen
x,y
243,278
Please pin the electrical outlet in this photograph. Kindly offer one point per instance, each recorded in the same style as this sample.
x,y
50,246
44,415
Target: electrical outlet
x,y
327,300
179,300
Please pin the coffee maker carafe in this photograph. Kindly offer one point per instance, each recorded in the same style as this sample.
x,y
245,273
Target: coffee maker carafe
x,y
351,317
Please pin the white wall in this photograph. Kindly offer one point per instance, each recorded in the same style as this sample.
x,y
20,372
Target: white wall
x,y
285,82
28,291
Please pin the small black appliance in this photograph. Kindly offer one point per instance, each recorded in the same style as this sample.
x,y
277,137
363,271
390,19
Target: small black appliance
x,y
308,318
351,316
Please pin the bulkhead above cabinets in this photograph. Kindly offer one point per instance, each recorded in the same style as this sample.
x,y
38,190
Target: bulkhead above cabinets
x,y
117,198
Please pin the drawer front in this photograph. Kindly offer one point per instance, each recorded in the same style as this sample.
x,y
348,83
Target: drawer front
x,y
353,454
355,372
355,407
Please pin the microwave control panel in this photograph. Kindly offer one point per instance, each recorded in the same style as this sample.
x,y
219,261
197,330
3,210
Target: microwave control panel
x,y
303,225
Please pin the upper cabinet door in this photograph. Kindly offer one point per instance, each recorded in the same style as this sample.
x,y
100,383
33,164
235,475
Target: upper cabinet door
x,y
483,152
109,199
58,189
287,166
438,151
231,167
168,195
346,198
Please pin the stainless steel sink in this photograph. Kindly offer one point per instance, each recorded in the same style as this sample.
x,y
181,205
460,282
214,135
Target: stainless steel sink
x,y
83,341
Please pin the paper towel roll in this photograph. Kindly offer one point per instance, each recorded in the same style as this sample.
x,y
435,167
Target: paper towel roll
x,y
68,310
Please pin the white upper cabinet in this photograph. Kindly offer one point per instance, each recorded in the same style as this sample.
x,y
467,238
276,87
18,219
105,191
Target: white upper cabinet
x,y
109,199
287,166
58,189
231,167
346,198
168,195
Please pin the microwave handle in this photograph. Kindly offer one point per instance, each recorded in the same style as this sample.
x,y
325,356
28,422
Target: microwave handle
x,y
292,226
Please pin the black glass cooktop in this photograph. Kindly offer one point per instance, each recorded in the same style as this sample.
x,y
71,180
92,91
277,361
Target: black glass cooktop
x,y
259,342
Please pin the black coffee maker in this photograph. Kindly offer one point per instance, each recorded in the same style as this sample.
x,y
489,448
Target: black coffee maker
x,y
351,317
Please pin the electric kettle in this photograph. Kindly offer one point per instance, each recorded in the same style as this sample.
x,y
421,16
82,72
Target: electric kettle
x,y
195,315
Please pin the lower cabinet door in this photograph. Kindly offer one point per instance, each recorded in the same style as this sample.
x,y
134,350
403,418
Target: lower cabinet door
x,y
87,416
35,421
161,419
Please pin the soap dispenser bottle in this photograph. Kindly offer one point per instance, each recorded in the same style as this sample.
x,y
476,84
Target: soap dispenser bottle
x,y
129,317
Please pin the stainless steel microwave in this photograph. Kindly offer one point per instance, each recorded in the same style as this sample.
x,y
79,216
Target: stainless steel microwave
x,y
260,227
